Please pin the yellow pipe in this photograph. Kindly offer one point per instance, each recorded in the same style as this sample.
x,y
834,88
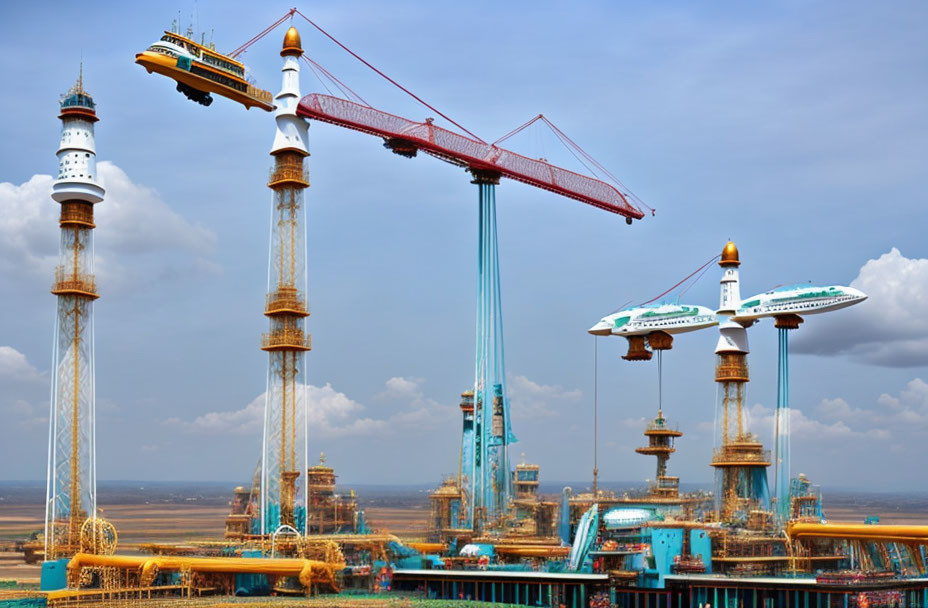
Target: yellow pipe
x,y
896,533
428,547
532,550
308,571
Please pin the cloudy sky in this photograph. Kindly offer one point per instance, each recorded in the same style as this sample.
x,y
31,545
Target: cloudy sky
x,y
797,129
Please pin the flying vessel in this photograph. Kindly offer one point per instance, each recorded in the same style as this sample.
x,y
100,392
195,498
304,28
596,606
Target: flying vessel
x,y
654,323
668,318
802,299
200,70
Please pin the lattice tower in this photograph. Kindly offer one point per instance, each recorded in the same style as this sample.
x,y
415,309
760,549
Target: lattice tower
x,y
71,490
283,480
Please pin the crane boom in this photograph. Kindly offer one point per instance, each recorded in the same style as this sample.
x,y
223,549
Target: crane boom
x,y
406,137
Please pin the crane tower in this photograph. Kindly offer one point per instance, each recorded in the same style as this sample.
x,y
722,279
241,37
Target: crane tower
x,y
283,489
71,490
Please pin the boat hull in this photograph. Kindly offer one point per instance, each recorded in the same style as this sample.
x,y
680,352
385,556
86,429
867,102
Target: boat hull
x,y
167,66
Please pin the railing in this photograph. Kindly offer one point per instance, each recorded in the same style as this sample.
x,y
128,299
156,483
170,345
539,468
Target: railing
x,y
286,339
285,300
465,151
727,454
287,173
260,94
69,282
661,426
731,372
76,213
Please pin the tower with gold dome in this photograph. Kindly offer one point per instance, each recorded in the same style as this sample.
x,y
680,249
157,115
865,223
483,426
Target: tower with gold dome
x,y
739,458
284,459
71,494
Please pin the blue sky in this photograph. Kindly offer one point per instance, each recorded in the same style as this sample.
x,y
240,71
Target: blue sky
x,y
795,128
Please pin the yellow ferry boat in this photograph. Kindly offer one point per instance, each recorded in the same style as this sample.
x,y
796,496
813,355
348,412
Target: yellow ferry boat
x,y
199,70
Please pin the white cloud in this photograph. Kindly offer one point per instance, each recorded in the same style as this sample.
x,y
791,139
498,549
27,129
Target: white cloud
x,y
421,413
132,223
24,398
902,417
890,328
15,367
529,399
762,420
910,408
399,387
839,409
331,414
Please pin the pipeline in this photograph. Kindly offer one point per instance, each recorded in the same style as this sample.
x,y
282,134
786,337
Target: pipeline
x,y
866,532
307,571
547,551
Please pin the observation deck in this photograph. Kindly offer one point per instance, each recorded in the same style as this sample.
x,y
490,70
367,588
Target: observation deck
x,y
741,453
70,283
291,339
285,301
288,175
732,367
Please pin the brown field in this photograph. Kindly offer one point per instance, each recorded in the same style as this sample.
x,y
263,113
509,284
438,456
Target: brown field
x,y
167,523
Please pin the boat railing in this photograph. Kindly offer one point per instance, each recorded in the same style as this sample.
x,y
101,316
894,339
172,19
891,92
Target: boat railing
x,y
259,94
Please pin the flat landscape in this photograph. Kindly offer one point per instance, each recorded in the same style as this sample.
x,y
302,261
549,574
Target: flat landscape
x,y
187,512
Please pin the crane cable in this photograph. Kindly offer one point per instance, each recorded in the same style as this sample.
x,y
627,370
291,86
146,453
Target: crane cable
x,y
344,88
294,10
683,280
384,76
263,33
575,149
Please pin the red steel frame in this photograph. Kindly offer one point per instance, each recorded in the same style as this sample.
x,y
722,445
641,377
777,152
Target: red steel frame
x,y
466,152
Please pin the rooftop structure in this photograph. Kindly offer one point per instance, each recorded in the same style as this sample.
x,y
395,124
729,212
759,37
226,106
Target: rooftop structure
x,y
328,513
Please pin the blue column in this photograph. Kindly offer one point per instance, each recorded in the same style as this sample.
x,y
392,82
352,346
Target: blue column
x,y
491,483
782,460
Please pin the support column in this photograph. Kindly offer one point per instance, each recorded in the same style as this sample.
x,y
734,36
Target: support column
x,y
491,483
784,323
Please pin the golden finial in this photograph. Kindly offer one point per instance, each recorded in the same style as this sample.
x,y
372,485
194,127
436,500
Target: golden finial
x,y
730,255
321,457
292,44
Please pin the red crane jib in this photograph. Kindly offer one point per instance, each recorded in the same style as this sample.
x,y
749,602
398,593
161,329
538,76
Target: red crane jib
x,y
406,136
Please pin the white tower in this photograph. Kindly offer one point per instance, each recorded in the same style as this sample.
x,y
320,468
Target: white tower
x,y
284,458
71,492
730,296
739,459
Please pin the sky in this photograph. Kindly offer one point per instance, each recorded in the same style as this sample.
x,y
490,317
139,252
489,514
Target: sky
x,y
796,129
